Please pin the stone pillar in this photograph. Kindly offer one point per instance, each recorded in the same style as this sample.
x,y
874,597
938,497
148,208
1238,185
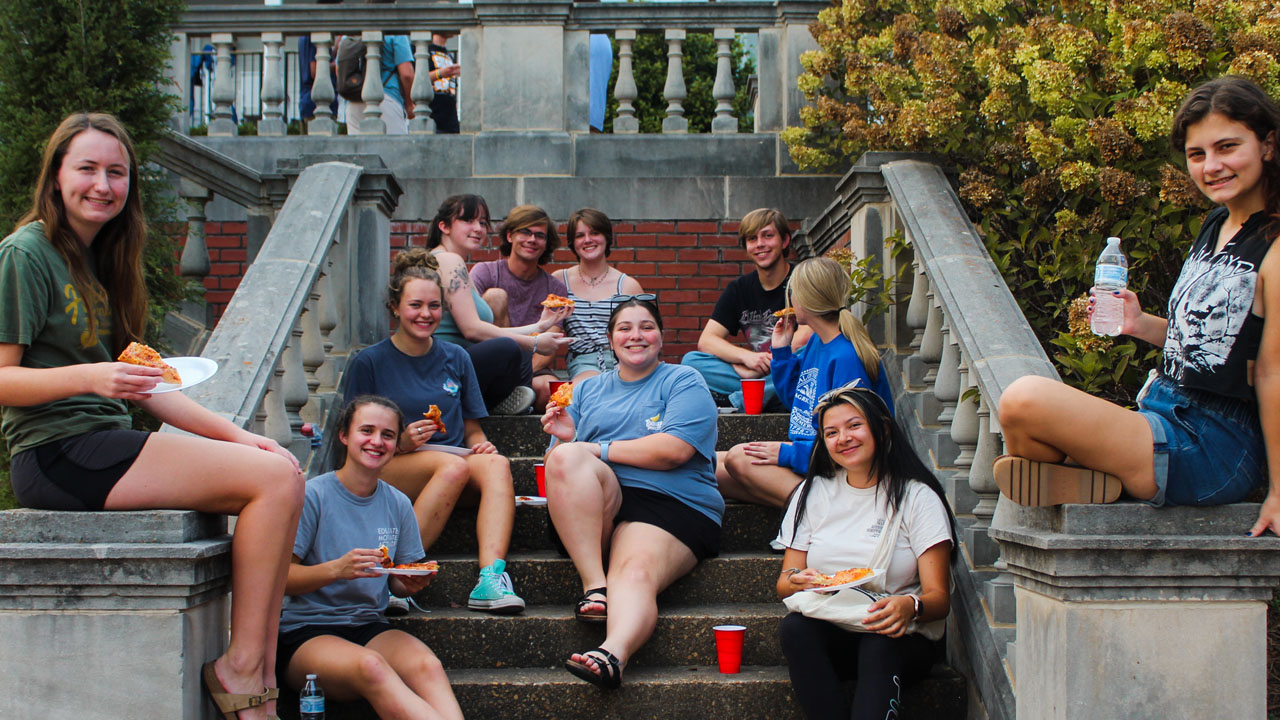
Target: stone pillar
x,y
110,615
625,89
422,93
520,72
674,90
272,122
322,90
1130,611
778,105
371,93
224,88
722,90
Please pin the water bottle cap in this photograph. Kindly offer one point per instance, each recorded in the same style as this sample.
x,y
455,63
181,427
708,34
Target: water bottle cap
x,y
1113,240
311,676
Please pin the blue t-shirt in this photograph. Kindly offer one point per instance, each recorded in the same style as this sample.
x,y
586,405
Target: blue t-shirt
x,y
443,377
449,330
334,522
395,50
673,399
801,378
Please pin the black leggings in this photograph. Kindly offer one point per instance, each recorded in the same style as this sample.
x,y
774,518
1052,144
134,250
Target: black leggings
x,y
820,655
500,367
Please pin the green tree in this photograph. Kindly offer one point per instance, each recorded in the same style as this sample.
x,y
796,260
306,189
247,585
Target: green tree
x,y
649,65
1056,118
64,56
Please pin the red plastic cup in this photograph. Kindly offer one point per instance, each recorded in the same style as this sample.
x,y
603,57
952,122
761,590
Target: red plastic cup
x,y
540,472
753,395
729,647
554,385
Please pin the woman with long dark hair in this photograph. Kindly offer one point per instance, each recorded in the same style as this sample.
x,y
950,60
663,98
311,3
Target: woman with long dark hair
x,y
71,298
865,480
1206,431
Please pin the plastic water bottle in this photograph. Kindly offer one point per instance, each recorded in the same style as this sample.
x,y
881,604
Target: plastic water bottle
x,y
311,705
1110,274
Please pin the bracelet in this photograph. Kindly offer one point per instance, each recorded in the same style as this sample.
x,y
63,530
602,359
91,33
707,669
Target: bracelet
x,y
919,604
536,338
792,571
604,451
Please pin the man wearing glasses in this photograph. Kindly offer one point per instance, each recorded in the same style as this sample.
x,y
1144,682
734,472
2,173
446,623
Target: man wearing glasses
x,y
515,285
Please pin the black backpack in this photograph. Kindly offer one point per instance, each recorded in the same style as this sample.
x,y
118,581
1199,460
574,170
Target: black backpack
x,y
351,68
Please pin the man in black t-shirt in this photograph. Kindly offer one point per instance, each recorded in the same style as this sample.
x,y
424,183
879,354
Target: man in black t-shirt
x,y
746,306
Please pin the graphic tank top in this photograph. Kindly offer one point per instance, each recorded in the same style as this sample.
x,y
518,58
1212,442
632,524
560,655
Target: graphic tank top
x,y
1213,334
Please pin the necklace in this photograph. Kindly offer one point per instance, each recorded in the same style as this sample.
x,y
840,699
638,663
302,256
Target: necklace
x,y
594,281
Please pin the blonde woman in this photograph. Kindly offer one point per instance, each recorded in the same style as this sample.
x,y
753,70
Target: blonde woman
x,y
839,352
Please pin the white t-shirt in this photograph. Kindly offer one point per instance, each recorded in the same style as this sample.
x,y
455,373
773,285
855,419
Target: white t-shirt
x,y
842,525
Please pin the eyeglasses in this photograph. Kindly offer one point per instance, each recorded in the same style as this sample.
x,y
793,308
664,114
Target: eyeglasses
x,y
642,297
526,232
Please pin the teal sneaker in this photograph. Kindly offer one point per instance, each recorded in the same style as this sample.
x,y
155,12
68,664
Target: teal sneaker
x,y
493,592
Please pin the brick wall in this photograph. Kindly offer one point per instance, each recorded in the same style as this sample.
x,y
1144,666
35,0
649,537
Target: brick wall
x,y
686,263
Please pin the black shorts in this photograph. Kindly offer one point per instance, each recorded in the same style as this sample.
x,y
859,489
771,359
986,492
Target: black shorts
x,y
698,532
288,643
75,473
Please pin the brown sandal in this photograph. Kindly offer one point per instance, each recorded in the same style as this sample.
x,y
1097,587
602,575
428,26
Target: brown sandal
x,y
231,703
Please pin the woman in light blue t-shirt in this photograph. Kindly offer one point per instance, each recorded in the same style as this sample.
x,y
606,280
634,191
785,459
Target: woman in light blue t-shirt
x,y
630,475
333,624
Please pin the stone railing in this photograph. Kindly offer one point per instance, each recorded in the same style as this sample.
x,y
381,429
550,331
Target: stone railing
x,y
524,66
312,295
953,339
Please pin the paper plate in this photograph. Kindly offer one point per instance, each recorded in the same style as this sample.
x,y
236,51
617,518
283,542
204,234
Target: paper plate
x,y
402,571
530,500
194,370
875,573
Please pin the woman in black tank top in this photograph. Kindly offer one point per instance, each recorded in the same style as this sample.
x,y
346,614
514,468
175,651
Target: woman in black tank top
x,y
1196,438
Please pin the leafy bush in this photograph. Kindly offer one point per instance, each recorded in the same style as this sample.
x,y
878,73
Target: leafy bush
x,y
63,56
1056,117
649,65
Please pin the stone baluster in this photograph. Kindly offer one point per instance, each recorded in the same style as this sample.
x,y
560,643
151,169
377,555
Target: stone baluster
x,y
625,89
931,341
371,93
422,93
224,87
946,388
312,356
272,122
722,90
274,418
327,373
674,90
322,90
982,550
917,306
294,391
195,254
964,433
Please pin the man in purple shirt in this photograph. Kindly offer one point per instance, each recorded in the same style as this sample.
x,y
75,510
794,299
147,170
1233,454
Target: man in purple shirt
x,y
516,285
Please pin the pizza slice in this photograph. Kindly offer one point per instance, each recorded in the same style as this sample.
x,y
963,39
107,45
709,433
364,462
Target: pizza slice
x,y
563,396
139,354
430,565
555,301
433,414
386,556
784,312
842,577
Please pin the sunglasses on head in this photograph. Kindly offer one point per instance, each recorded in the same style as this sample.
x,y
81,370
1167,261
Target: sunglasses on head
x,y
845,392
642,297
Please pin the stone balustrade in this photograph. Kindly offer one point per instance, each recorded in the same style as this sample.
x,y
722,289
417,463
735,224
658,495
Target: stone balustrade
x,y
313,294
1087,592
524,66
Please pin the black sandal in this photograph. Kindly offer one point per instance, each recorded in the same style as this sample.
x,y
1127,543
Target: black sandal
x,y
610,675
596,617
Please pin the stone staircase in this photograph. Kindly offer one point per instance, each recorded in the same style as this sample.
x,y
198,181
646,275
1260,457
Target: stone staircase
x,y
512,667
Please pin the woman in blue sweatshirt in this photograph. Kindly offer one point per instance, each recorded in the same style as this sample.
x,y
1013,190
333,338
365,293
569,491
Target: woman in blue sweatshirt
x,y
838,353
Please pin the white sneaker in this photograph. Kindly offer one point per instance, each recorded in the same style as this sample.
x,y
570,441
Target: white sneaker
x,y
517,403
397,606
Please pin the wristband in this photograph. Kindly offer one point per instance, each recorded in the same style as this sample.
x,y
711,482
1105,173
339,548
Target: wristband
x,y
604,451
919,605
536,338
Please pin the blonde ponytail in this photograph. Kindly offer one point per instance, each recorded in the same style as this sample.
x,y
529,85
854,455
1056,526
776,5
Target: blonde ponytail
x,y
852,328
821,286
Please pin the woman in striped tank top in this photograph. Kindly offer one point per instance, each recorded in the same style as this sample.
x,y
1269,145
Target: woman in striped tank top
x,y
592,284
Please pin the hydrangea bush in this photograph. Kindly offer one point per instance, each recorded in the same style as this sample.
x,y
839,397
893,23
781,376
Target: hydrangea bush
x,y
1055,118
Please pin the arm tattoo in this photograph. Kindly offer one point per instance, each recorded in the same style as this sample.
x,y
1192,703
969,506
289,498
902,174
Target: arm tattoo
x,y
459,280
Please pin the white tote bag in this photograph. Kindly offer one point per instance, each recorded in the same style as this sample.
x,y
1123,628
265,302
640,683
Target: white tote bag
x,y
848,608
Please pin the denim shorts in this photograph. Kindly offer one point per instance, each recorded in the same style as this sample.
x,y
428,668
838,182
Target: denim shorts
x,y
601,360
1208,448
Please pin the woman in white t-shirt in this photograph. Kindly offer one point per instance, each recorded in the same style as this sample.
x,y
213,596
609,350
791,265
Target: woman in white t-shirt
x,y
861,474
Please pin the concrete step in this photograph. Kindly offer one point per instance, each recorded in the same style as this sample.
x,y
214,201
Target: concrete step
x,y
542,577
746,528
522,435
697,692
545,635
